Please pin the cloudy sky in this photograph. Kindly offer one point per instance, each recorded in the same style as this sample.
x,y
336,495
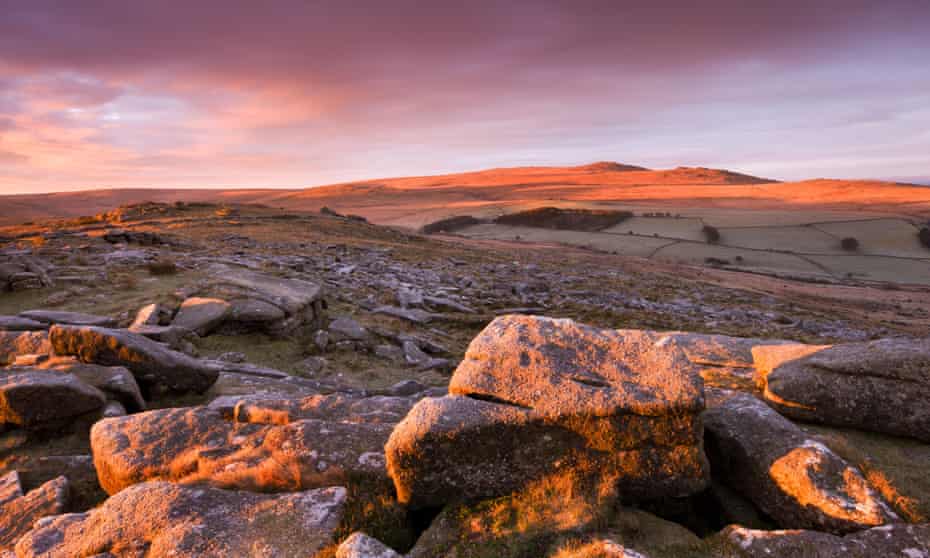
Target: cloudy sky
x,y
241,93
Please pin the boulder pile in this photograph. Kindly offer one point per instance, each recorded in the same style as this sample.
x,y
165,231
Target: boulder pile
x,y
537,397
553,439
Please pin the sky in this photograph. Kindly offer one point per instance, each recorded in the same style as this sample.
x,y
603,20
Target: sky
x,y
241,93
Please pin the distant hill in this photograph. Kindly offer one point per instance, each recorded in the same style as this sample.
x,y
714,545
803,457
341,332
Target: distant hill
x,y
412,201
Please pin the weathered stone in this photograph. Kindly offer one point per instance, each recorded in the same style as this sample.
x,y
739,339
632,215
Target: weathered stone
x,y
250,310
795,480
360,545
32,398
453,448
147,360
347,328
406,388
898,540
68,318
312,365
880,386
36,470
171,335
563,368
270,455
301,301
165,519
150,315
201,315
18,323
17,515
542,397
116,381
414,315
409,298
16,343
447,304
389,352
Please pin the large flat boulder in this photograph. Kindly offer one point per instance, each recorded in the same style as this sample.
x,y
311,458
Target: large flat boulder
x,y
277,305
279,451
34,398
165,519
880,386
795,480
18,511
149,361
536,397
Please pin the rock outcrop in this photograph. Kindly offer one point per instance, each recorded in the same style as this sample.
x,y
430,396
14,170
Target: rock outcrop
x,y
797,481
149,362
880,386
266,446
258,301
536,397
165,519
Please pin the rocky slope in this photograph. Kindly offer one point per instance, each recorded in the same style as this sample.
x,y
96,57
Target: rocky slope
x,y
215,381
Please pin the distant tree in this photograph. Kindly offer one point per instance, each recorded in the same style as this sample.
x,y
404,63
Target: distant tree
x,y
849,244
711,234
924,236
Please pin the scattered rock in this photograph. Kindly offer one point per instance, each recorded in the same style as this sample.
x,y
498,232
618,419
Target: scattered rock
x,y
347,328
797,481
406,388
880,386
312,365
147,360
414,315
165,519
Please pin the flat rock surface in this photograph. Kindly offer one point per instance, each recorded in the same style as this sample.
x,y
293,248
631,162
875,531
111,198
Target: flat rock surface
x,y
560,367
165,519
